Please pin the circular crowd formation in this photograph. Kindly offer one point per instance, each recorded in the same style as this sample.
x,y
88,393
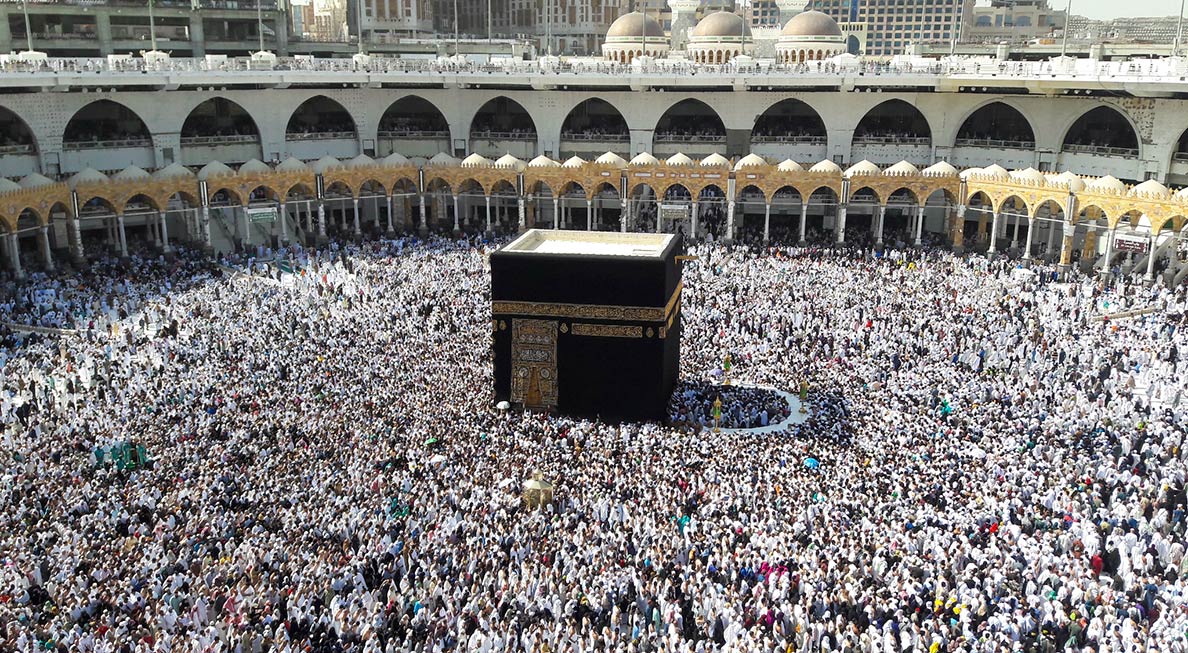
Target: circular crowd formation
x,y
231,458
738,407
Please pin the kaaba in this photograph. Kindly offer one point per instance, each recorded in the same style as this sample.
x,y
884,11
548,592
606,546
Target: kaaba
x,y
587,324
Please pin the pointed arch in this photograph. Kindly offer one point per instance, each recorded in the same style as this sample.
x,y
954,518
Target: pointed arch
x,y
503,117
595,117
320,117
412,116
893,121
996,124
16,137
105,124
789,121
690,120
1102,130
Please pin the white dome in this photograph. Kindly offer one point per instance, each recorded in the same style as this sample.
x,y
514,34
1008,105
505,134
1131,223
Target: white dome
x,y
254,166
679,159
995,172
633,25
395,159
87,176
940,169
476,161
1151,188
442,159
509,162
292,164
173,171
861,168
7,185
715,159
825,166
34,180
1029,175
901,169
970,172
543,161
326,163
1182,194
361,161
750,161
722,24
788,165
1106,184
611,159
811,23
644,159
574,162
131,173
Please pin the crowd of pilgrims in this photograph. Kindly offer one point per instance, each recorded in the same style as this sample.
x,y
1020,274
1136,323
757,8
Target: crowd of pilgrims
x,y
321,467
739,407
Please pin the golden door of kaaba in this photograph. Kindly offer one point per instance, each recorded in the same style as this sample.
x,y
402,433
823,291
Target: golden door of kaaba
x,y
534,363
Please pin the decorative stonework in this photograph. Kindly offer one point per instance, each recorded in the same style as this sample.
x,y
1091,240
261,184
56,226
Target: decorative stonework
x,y
1030,193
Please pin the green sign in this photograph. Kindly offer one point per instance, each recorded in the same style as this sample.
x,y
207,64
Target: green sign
x,y
262,214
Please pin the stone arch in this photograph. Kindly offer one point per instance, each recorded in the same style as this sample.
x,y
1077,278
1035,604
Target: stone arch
x,y
320,115
595,113
17,133
901,192
1102,126
370,185
1018,200
789,111
228,115
996,120
106,121
501,114
437,184
676,191
893,119
710,123
412,114
856,189
141,198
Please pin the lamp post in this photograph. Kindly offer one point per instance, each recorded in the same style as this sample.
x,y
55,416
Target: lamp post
x,y
1064,39
1179,31
260,24
29,26
152,27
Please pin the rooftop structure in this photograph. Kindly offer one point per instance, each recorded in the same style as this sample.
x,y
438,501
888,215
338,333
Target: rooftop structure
x,y
599,243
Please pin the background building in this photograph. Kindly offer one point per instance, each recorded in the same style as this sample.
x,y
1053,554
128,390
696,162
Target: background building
x,y
1013,20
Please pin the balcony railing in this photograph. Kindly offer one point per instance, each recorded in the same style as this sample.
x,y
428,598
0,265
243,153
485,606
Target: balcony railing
x,y
1181,156
1168,70
106,144
10,150
1102,150
318,136
231,139
425,134
690,138
873,139
266,5
995,143
595,138
502,136
798,139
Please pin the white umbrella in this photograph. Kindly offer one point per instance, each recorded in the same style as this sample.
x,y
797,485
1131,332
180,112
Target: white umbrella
x,y
437,460
503,405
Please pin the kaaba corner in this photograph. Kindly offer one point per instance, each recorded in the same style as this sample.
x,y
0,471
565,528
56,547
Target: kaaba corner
x,y
586,323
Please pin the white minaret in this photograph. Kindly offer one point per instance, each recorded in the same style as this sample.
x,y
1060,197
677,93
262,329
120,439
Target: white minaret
x,y
684,18
789,8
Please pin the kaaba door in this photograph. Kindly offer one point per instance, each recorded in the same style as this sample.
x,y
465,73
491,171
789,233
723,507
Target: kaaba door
x,y
534,363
